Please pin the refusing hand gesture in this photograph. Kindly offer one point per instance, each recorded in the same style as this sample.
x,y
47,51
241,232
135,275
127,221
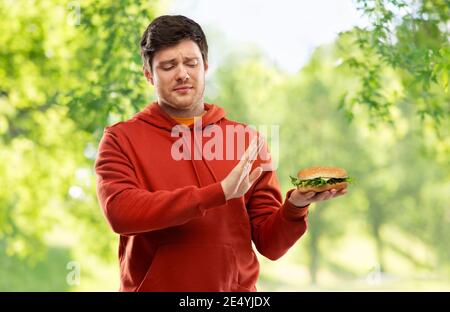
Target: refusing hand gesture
x,y
239,180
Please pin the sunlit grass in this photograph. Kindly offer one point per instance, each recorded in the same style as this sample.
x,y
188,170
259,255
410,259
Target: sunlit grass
x,y
351,266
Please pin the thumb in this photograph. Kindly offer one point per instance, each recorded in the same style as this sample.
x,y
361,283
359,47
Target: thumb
x,y
256,173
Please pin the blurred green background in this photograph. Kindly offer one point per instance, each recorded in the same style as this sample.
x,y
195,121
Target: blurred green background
x,y
375,101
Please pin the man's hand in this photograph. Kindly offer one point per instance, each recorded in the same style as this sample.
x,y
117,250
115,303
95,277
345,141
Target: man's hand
x,y
239,181
303,199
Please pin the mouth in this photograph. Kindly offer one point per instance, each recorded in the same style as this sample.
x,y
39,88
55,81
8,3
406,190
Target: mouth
x,y
183,90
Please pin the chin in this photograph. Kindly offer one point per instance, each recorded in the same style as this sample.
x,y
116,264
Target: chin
x,y
183,104
186,101
177,104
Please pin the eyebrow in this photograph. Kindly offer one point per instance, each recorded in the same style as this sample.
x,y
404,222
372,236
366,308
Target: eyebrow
x,y
173,60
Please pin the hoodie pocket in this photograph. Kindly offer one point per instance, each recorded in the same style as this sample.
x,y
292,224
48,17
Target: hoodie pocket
x,y
192,267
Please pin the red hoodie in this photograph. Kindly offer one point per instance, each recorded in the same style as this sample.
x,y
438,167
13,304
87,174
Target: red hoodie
x,y
177,231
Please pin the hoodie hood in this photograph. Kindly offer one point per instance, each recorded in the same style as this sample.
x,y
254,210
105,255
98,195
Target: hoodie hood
x,y
154,115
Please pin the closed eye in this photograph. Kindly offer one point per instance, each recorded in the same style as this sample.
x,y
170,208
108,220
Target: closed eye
x,y
192,63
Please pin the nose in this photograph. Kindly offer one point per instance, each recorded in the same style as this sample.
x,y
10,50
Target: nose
x,y
182,73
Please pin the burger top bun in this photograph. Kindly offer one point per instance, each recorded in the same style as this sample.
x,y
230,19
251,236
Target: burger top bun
x,y
321,172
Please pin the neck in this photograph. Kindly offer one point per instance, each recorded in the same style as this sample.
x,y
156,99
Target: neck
x,y
195,110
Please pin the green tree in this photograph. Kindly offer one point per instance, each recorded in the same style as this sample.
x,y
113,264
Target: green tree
x,y
411,38
67,69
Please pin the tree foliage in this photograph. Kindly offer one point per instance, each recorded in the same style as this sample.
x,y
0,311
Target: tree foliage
x,y
412,38
67,69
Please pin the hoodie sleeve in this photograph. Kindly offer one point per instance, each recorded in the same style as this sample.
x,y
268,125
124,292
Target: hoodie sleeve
x,y
276,226
131,209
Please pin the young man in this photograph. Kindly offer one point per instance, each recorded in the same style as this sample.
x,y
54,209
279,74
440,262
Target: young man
x,y
187,223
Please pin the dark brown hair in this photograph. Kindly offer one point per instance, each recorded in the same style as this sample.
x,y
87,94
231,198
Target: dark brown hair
x,y
168,30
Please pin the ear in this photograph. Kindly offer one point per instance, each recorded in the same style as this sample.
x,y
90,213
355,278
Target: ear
x,y
148,74
206,66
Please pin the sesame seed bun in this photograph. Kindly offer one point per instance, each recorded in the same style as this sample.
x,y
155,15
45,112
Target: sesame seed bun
x,y
321,172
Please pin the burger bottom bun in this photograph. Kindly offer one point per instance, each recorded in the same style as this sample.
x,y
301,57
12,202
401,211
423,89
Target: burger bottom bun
x,y
323,188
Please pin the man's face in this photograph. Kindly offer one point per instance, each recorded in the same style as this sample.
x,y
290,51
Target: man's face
x,y
179,75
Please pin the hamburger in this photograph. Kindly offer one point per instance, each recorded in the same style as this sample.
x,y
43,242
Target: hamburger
x,y
320,179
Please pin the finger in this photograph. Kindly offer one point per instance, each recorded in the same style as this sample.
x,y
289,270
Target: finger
x,y
254,142
340,193
322,196
248,162
300,196
255,175
245,174
250,156
253,154
260,144
308,195
250,149
258,147
246,169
